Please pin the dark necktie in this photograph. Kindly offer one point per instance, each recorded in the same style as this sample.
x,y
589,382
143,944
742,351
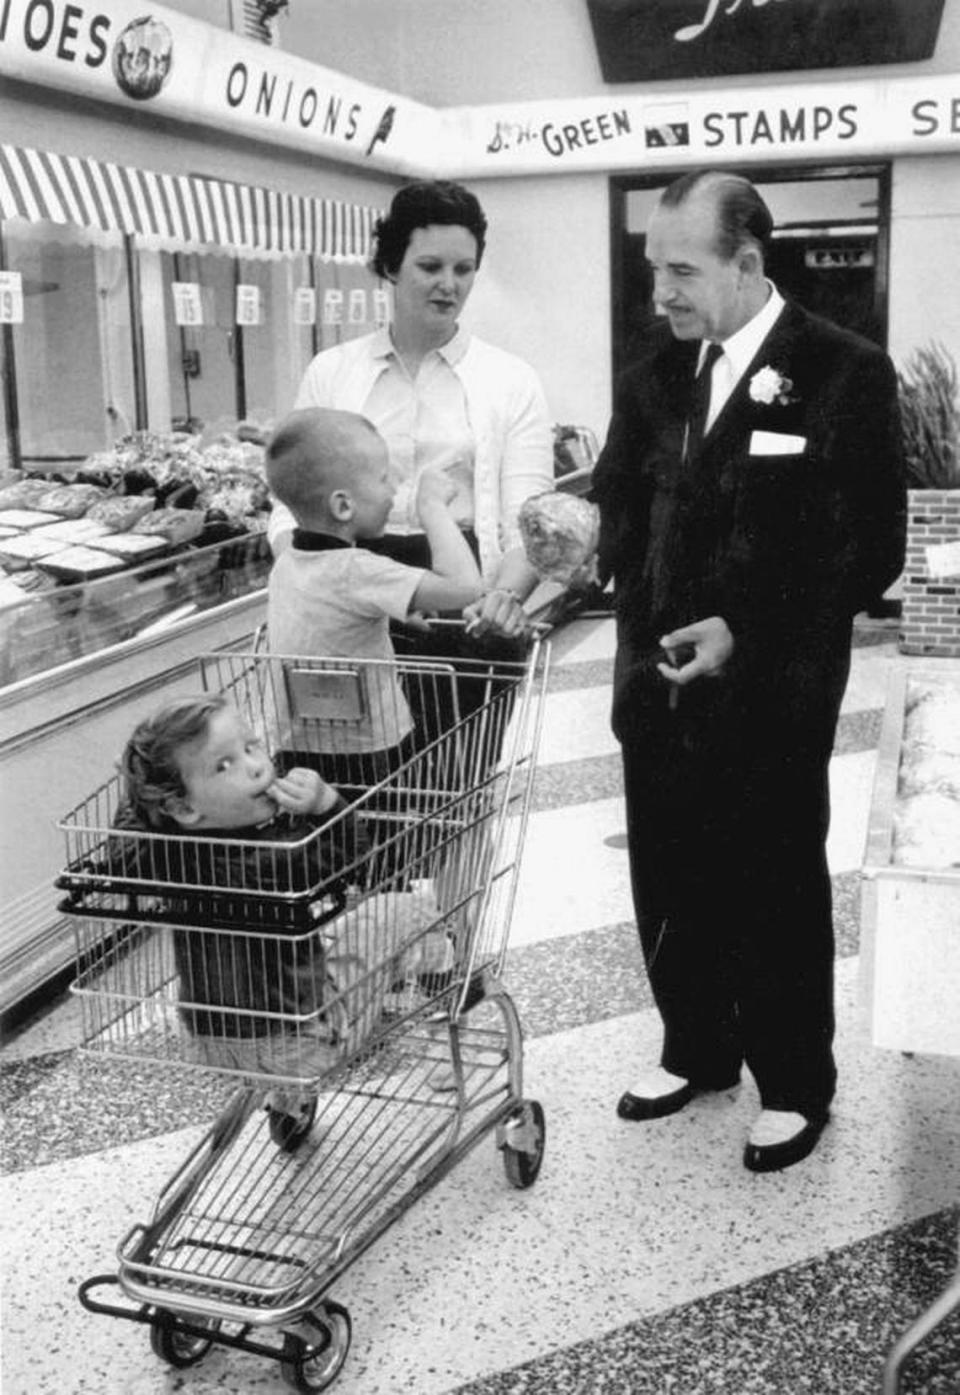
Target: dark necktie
x,y
700,403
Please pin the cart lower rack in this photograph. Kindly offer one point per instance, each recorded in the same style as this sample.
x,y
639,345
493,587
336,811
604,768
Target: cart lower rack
x,y
348,977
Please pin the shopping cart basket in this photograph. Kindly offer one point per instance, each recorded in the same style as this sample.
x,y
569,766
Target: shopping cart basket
x,y
352,985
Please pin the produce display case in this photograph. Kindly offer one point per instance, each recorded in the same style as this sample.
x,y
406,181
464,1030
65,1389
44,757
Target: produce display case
x,y
87,647
910,916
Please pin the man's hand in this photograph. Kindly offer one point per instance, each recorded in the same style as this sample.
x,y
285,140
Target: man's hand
x,y
712,644
302,791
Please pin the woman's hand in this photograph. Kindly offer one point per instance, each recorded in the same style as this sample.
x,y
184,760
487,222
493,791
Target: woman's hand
x,y
302,791
497,612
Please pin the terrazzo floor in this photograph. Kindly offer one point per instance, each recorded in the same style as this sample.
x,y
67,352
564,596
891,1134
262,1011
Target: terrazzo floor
x,y
645,1259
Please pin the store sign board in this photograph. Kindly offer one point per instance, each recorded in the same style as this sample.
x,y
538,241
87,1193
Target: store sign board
x,y
381,306
11,298
357,306
158,60
653,40
873,117
180,68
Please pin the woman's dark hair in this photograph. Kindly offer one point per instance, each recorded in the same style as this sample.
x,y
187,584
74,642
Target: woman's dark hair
x,y
742,215
419,205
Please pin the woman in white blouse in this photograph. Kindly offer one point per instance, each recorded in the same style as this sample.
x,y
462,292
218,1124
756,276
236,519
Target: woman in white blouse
x,y
441,397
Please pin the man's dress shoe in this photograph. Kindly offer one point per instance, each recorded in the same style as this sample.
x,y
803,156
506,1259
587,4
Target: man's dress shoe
x,y
773,1157
637,1107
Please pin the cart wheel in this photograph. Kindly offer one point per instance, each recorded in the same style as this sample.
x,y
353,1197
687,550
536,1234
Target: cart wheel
x,y
289,1130
179,1348
315,1365
522,1141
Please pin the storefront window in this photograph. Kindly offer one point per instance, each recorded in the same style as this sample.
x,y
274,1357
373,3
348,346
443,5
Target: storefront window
x,y
274,348
69,361
199,341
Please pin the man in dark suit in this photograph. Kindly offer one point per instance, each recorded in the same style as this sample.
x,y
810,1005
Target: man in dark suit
x,y
746,516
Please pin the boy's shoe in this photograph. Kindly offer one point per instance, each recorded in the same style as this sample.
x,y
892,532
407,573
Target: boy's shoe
x,y
289,1130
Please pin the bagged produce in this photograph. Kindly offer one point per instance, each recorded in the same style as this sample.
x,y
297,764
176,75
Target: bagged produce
x,y
22,493
176,525
70,500
560,534
120,512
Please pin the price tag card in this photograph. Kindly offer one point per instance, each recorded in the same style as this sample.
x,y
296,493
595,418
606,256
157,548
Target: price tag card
x,y
304,306
943,560
357,308
381,306
187,306
249,306
11,298
332,307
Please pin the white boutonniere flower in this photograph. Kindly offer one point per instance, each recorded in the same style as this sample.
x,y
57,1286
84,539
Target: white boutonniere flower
x,y
769,386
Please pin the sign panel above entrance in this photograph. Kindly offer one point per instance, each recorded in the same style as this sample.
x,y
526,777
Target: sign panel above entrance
x,y
651,40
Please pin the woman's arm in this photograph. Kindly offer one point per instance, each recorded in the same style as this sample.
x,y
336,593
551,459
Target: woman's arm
x,y
524,438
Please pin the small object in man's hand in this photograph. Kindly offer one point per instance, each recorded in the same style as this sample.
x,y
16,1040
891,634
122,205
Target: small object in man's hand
x,y
678,656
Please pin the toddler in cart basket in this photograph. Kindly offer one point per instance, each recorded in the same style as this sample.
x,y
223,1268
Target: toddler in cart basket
x,y
259,999
327,596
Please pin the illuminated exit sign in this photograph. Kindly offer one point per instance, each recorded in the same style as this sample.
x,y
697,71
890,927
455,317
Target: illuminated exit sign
x,y
838,258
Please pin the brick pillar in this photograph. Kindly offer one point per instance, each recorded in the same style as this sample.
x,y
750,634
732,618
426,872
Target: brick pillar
x,y
930,619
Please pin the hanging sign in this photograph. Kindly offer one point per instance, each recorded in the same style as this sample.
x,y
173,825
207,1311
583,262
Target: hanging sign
x,y
332,306
357,307
653,40
187,305
304,306
249,305
11,298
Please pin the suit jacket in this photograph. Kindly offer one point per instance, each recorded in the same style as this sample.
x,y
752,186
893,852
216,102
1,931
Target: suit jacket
x,y
786,547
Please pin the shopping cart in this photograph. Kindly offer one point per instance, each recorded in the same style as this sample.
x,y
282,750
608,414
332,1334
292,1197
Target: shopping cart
x,y
404,1049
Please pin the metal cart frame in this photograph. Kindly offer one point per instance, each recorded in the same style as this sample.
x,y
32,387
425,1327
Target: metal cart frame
x,y
419,1059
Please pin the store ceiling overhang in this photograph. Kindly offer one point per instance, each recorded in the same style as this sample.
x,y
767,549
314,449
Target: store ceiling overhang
x,y
181,69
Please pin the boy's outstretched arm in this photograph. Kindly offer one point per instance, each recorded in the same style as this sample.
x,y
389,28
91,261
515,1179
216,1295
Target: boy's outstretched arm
x,y
454,580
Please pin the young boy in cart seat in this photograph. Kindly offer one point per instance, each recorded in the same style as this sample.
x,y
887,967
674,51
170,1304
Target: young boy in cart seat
x,y
256,998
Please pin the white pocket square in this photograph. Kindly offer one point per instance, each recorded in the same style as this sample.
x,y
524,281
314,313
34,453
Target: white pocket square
x,y
776,443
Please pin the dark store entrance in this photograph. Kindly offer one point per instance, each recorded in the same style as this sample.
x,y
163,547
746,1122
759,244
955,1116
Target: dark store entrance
x,y
829,250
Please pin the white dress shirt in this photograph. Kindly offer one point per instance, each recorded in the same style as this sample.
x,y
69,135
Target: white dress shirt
x,y
738,353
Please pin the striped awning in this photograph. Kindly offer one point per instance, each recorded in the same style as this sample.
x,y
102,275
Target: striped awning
x,y
179,210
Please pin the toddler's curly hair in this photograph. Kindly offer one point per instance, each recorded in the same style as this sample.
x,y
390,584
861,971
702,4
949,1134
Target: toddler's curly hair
x,y
149,767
